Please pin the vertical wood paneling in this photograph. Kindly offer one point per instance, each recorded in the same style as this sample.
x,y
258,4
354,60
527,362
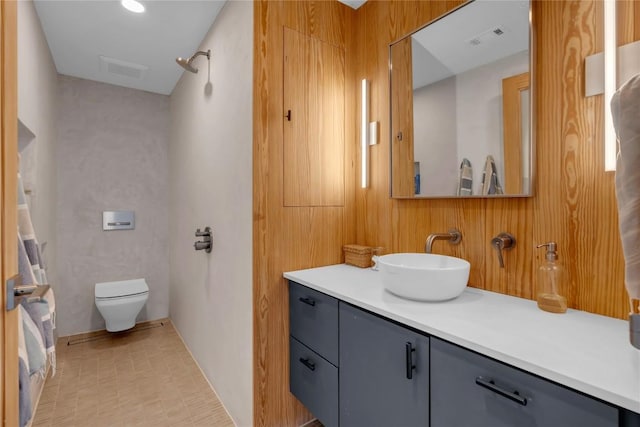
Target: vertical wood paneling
x,y
8,207
313,121
512,88
289,238
574,199
402,184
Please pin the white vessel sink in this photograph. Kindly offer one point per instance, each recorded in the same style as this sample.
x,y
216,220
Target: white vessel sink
x,y
424,277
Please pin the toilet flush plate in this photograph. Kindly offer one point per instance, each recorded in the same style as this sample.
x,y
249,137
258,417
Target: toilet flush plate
x,y
118,220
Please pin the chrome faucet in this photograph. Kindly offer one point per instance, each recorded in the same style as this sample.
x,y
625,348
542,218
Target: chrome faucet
x,y
454,236
501,242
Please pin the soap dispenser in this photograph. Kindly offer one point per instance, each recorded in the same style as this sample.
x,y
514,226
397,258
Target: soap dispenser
x,y
550,276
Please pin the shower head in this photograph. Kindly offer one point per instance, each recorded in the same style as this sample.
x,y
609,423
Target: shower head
x,y
186,62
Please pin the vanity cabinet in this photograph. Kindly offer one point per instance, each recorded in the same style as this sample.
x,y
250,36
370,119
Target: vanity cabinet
x,y
384,372
496,395
366,371
352,368
313,352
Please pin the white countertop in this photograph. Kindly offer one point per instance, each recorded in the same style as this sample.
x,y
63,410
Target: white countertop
x,y
580,350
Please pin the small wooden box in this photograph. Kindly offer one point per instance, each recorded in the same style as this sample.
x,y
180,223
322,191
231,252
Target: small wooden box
x,y
358,255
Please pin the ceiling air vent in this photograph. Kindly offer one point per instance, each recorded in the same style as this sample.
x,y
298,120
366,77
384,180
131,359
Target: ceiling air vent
x,y
122,68
487,36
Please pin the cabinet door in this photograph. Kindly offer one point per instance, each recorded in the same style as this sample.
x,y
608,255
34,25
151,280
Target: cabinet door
x,y
313,115
378,386
469,390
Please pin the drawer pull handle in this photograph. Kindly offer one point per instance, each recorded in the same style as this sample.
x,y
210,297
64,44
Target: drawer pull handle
x,y
408,351
307,301
306,362
491,385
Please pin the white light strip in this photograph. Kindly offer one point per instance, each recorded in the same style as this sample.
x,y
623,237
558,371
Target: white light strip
x,y
364,130
610,46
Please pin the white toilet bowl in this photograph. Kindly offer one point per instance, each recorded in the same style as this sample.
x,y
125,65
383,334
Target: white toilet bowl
x,y
119,303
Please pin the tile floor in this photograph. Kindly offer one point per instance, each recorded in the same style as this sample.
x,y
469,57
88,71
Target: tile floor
x,y
141,378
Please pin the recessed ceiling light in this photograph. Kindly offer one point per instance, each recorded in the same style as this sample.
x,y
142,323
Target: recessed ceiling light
x,y
133,6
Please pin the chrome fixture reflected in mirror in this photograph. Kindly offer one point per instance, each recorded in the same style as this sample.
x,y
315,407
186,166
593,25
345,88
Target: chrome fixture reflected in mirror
x,y
461,96
186,63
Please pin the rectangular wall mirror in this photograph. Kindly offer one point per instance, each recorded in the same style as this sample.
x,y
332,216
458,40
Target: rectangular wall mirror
x,y
461,104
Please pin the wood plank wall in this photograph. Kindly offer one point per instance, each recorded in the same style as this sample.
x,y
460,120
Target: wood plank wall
x,y
8,208
574,202
290,238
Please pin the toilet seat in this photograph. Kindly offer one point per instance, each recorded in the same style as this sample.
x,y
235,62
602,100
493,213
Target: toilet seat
x,y
117,297
121,289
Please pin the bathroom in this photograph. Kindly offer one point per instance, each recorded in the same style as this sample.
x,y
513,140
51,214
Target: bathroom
x,y
231,306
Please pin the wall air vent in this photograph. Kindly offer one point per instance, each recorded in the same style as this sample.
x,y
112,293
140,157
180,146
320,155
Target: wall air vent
x,y
121,68
487,36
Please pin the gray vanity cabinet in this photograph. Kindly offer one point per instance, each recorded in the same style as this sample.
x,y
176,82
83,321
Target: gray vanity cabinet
x,y
351,368
384,372
470,390
313,352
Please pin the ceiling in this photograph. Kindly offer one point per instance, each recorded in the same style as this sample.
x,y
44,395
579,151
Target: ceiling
x,y
102,41
444,48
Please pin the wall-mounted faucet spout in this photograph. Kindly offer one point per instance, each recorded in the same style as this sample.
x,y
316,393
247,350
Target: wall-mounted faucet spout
x,y
454,236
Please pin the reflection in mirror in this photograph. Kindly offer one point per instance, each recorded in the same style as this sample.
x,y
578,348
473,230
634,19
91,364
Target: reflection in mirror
x,y
460,104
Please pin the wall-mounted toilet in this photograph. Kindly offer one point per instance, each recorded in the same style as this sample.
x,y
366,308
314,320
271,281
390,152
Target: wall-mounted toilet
x,y
119,303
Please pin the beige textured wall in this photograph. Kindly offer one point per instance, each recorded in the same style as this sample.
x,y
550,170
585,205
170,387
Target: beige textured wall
x,y
37,91
112,155
211,185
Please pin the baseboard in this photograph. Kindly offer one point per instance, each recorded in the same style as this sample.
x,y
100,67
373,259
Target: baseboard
x,y
203,375
65,340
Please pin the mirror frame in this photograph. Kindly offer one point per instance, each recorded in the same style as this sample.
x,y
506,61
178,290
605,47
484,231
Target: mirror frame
x,y
532,113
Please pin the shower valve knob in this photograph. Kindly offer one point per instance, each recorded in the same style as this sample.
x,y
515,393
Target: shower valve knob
x,y
205,243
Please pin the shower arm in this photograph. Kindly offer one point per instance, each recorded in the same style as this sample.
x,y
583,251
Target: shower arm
x,y
199,53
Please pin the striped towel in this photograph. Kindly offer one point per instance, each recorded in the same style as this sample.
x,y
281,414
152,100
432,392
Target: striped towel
x,y
625,108
490,183
465,179
25,229
24,265
41,316
36,352
24,382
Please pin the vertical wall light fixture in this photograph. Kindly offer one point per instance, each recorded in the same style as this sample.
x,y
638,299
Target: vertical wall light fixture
x,y
364,135
610,83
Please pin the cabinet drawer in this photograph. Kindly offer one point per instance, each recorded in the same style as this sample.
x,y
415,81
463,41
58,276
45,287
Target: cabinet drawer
x,y
469,390
314,381
313,320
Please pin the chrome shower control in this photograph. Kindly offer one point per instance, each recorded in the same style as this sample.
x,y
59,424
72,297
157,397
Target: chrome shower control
x,y
205,243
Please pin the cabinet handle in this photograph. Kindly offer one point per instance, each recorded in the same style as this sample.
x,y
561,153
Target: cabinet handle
x,y
491,385
408,351
306,362
307,301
